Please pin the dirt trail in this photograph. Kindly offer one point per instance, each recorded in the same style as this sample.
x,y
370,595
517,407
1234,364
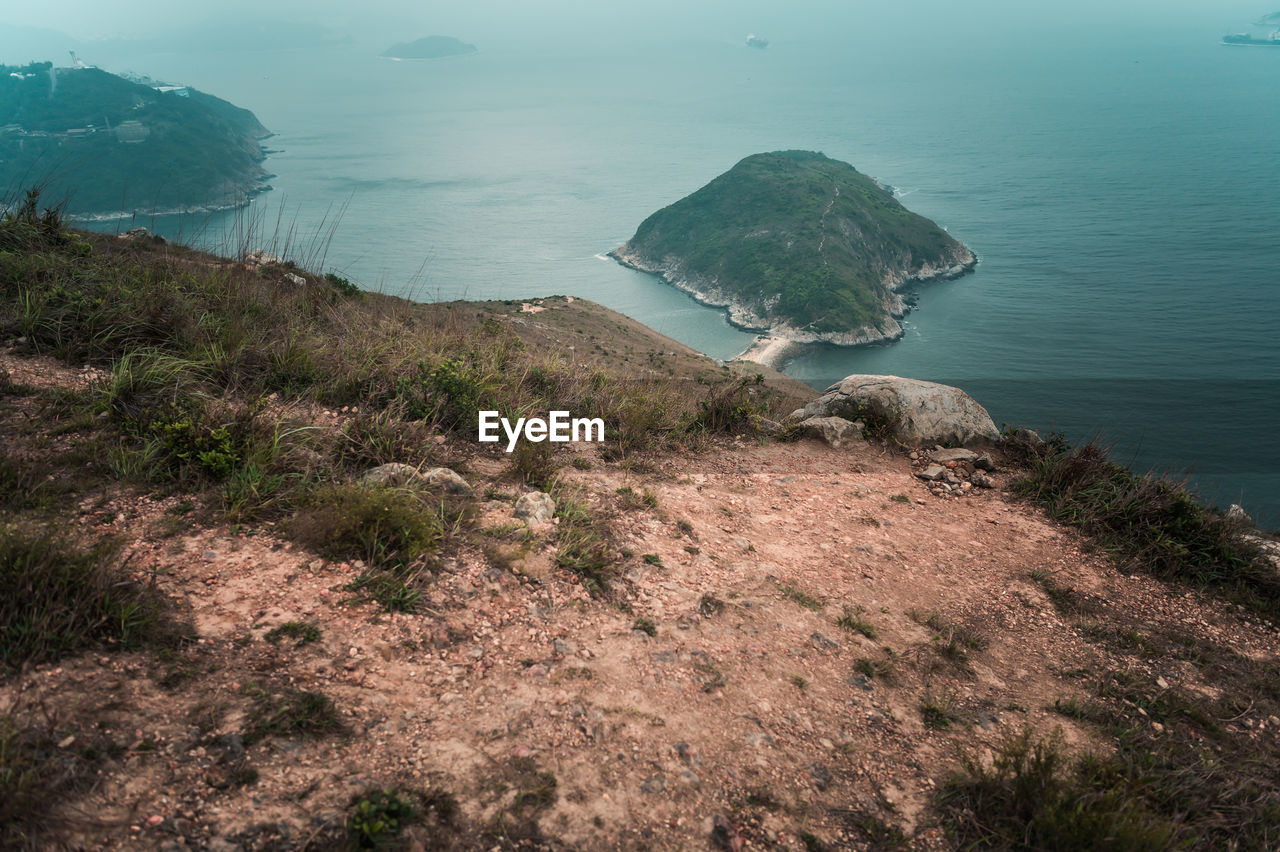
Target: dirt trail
x,y
550,716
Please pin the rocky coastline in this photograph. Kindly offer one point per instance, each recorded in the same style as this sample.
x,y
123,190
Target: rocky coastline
x,y
242,200
780,342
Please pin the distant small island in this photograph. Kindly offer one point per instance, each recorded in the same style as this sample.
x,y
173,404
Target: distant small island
x,y
105,146
799,246
431,47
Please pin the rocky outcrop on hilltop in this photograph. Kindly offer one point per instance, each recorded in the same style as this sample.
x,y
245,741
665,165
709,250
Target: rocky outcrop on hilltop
x,y
915,412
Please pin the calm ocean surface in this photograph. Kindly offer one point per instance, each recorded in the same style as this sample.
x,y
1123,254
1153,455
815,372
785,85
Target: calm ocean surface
x,y
1122,192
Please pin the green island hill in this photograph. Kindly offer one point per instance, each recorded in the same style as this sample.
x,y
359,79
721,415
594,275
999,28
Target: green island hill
x,y
798,245
430,47
104,146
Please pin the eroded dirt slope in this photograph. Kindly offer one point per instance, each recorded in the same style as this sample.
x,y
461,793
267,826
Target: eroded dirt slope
x,y
795,647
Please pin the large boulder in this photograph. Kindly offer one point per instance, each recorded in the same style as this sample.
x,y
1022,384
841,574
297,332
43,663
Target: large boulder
x,y
836,431
915,411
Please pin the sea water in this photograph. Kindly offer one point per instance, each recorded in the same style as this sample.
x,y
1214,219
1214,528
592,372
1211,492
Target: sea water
x,y
1121,190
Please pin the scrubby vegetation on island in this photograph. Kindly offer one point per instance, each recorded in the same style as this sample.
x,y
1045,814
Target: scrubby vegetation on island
x,y
101,144
796,238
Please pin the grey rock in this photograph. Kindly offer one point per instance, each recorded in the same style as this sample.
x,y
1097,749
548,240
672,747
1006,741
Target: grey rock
x,y
823,643
536,507
654,784
232,744
958,454
1028,436
835,431
393,475
821,775
1236,512
862,682
765,426
561,648
689,777
932,473
1267,548
447,480
917,412
260,257
984,462
398,475
295,280
981,480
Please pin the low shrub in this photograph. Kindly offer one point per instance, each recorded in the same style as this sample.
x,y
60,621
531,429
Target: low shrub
x,y
385,527
1033,796
1153,524
289,712
57,597
584,542
378,816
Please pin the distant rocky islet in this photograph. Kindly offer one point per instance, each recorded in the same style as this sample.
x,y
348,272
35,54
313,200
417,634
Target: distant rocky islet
x,y
429,47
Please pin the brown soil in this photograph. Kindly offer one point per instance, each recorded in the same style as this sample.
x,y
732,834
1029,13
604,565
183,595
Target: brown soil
x,y
552,720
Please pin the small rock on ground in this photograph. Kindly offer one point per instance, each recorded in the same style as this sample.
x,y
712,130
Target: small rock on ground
x,y
536,507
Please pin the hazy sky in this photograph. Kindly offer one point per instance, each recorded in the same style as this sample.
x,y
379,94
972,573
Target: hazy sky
x,y
478,19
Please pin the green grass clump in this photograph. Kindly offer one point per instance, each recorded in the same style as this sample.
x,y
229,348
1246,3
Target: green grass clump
x,y
385,527
709,605
57,597
34,775
534,464
938,713
584,544
851,620
1153,524
951,640
730,408
645,625
289,712
377,818
301,632
1033,796
798,595
394,531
